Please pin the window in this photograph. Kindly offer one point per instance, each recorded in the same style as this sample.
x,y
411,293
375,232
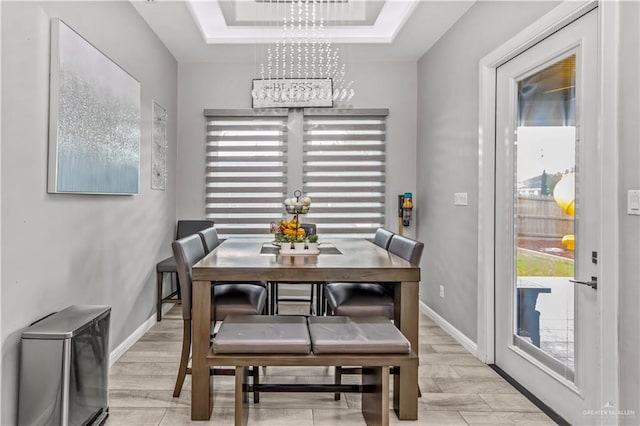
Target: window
x,y
246,167
344,170
250,170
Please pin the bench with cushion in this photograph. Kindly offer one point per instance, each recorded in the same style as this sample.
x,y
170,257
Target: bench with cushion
x,y
371,342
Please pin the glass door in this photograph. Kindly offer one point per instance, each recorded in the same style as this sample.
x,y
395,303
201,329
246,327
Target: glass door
x,y
544,206
547,217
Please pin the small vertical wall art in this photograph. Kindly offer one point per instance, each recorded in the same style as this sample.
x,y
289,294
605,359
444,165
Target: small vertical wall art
x,y
159,148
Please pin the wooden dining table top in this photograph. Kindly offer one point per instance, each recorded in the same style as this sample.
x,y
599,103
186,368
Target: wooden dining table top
x,y
360,260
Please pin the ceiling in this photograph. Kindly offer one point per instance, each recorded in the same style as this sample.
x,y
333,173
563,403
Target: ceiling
x,y
234,30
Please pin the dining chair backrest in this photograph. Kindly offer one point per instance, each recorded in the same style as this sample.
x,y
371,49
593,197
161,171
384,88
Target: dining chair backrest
x,y
190,227
210,239
309,228
408,249
382,238
187,252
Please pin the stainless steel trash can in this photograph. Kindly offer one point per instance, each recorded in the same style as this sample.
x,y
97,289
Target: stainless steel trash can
x,y
64,365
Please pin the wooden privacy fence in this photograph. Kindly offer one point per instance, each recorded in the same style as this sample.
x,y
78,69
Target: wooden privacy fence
x,y
538,216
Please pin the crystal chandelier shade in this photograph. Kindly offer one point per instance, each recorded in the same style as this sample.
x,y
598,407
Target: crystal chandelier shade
x,y
304,52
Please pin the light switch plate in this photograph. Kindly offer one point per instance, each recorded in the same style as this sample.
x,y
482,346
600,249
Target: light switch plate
x,y
633,201
460,199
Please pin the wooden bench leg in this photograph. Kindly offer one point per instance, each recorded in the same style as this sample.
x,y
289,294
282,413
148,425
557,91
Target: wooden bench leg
x,y
337,379
241,397
375,395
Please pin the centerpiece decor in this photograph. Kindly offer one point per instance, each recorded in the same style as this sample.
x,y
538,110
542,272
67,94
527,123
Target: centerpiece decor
x,y
291,237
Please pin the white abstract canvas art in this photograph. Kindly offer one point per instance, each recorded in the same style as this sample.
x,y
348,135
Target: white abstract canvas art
x,y
94,122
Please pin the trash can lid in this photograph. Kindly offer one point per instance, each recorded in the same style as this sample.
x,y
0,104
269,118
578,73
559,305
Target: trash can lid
x,y
67,323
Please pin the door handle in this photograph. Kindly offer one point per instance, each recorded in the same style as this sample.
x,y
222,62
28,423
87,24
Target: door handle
x,y
593,283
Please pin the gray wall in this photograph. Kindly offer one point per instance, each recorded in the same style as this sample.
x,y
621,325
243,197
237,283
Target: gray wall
x,y
60,250
629,175
448,153
448,163
379,85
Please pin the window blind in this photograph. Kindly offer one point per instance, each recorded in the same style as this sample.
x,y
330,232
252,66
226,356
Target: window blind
x,y
246,170
344,170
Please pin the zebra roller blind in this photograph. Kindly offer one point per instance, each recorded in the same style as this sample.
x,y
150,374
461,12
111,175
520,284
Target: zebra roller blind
x,y
246,170
344,170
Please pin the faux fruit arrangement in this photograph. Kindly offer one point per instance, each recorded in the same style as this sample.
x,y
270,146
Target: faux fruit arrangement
x,y
290,231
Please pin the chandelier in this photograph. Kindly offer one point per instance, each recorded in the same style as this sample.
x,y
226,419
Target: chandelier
x,y
303,65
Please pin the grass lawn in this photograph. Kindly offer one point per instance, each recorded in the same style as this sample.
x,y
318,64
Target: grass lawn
x,y
532,265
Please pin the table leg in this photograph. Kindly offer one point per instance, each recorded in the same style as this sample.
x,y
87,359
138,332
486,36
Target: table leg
x,y
201,392
405,382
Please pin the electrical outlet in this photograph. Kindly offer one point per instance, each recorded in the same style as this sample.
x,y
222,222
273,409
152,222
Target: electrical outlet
x,y
442,291
460,199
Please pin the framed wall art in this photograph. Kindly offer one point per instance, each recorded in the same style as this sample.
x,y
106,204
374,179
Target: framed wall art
x,y
159,147
94,119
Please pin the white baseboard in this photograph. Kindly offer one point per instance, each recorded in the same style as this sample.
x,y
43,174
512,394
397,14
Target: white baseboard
x,y
467,343
123,347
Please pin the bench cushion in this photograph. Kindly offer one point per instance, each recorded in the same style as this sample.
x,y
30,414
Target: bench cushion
x,y
356,335
262,334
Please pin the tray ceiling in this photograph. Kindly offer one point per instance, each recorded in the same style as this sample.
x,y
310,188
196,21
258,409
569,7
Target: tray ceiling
x,y
232,30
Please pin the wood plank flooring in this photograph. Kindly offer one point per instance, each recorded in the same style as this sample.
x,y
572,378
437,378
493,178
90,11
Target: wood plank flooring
x,y
457,389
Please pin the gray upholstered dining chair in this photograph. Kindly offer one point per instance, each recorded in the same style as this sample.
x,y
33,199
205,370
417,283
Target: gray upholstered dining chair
x,y
382,238
363,299
407,248
370,299
211,240
315,288
228,298
168,265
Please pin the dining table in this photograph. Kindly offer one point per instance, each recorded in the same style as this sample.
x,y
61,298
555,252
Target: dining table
x,y
340,260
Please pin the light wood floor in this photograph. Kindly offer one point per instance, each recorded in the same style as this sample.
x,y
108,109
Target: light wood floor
x,y
457,389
